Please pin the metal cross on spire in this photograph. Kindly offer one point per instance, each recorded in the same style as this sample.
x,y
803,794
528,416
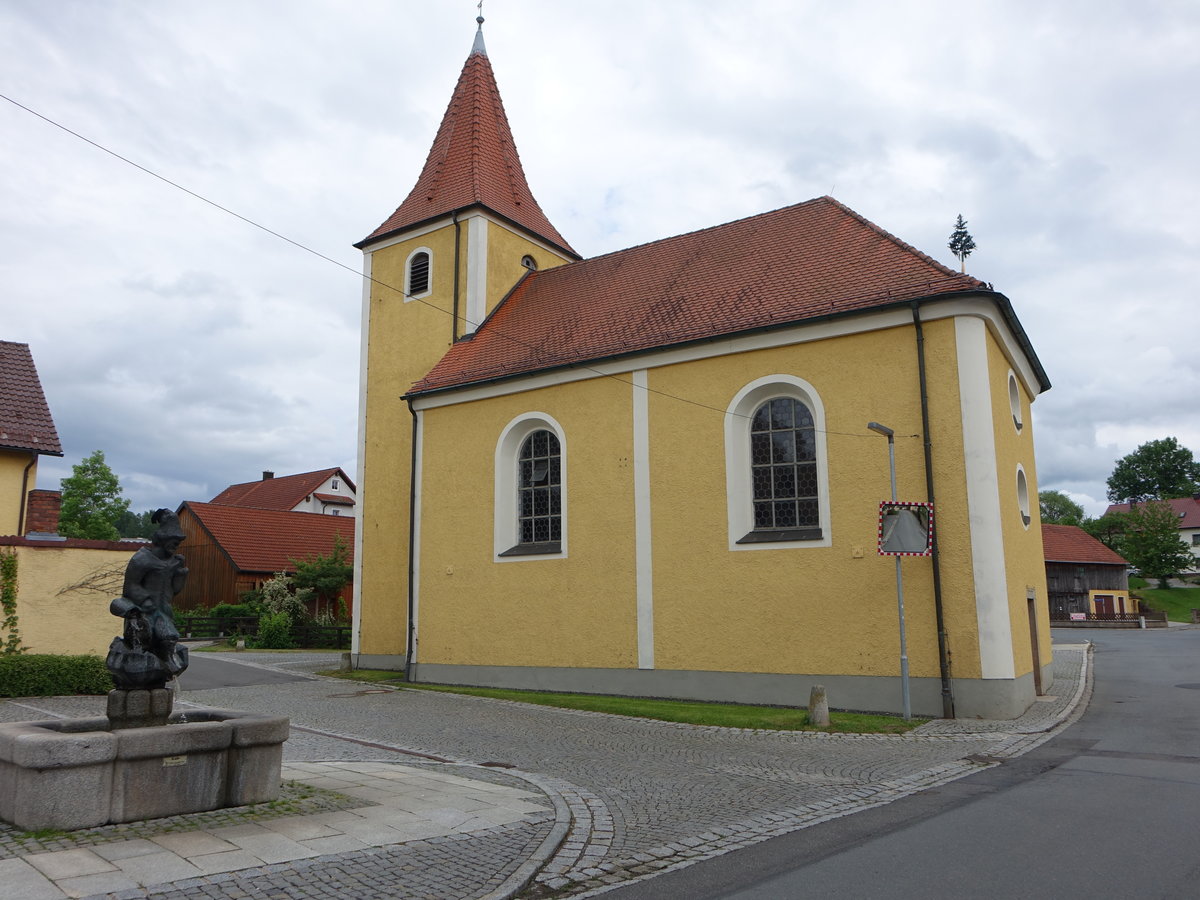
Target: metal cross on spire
x,y
478,46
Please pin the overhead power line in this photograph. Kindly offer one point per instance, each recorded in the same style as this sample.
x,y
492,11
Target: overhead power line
x,y
358,274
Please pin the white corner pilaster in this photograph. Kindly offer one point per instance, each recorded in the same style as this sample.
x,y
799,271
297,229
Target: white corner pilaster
x,y
644,562
983,500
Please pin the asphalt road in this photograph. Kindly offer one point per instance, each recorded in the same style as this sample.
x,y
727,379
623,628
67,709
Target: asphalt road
x,y
1108,809
205,672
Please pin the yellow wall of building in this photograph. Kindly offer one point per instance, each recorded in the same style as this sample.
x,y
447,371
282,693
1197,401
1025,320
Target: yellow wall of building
x,y
506,249
812,609
51,617
405,340
12,477
1024,557
574,611
815,609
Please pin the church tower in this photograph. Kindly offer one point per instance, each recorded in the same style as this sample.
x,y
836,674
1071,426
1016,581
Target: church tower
x,y
467,233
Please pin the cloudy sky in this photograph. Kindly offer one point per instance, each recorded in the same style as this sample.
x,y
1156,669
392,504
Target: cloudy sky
x,y
197,350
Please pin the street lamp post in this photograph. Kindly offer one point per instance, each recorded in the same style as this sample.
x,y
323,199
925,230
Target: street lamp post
x,y
891,439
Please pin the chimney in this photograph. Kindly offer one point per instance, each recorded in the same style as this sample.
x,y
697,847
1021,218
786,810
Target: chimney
x,y
267,476
41,511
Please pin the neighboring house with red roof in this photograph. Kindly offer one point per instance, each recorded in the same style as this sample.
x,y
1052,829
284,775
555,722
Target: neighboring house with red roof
x,y
63,584
650,472
325,491
1083,575
1187,510
27,433
234,549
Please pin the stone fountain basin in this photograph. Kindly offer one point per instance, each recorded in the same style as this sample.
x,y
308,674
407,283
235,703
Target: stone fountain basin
x,y
79,773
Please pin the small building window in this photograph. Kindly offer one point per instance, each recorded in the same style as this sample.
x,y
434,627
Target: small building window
x,y
531,503
1014,401
1023,497
777,482
335,512
529,262
539,490
417,275
333,486
783,464
1196,539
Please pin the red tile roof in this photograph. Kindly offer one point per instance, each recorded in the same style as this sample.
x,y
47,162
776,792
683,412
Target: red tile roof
x,y
336,499
1071,544
473,162
266,540
1186,508
798,263
284,492
25,421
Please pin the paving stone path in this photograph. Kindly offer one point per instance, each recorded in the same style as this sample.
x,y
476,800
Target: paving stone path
x,y
630,797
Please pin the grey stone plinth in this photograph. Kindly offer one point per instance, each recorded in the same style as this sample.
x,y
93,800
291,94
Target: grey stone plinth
x,y
139,708
76,773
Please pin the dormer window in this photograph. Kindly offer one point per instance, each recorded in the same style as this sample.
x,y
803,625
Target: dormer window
x,y
417,275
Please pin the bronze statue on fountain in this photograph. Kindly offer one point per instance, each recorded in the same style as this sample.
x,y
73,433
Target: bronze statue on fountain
x,y
149,653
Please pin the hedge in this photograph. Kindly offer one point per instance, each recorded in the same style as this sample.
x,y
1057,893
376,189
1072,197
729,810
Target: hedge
x,y
46,675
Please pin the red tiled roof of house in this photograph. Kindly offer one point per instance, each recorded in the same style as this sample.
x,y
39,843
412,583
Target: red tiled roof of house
x,y
336,499
283,492
25,421
266,540
473,162
799,263
1187,509
1071,544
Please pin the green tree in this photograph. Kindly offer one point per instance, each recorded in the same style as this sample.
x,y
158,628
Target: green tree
x,y
325,575
1059,509
1157,470
1109,529
91,501
133,524
961,243
1151,542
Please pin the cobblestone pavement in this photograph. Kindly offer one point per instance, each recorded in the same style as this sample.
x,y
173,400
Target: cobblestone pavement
x,y
633,797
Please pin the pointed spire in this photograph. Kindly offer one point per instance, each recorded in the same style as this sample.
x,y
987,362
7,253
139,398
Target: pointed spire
x,y
473,162
478,45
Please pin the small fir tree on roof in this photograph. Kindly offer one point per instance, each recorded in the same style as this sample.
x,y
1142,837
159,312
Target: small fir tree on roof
x,y
961,243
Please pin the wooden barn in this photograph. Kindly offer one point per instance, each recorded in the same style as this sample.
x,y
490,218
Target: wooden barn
x,y
1083,575
234,549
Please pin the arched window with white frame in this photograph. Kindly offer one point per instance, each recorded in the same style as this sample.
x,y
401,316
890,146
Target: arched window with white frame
x,y
777,486
531,502
418,269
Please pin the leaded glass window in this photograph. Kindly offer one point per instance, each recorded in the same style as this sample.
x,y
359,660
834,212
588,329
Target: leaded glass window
x,y
539,489
783,463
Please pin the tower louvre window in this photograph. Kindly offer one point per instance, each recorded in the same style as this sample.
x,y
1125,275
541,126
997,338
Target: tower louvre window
x,y
418,274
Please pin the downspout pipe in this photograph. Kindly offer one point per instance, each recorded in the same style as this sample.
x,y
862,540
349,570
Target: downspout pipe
x,y
23,499
938,608
410,641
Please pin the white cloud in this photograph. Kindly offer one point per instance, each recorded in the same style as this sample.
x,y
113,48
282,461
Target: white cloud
x,y
197,350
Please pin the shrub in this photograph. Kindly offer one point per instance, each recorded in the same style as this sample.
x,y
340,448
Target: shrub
x,y
280,595
46,675
274,632
232,610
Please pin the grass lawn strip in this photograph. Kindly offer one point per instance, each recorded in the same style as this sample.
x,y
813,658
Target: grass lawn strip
x,y
725,715
1178,602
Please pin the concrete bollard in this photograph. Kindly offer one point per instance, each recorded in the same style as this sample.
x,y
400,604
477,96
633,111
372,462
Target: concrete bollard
x,y
818,706
241,643
347,665
1142,622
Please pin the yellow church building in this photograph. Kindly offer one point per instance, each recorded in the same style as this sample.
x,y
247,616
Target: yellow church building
x,y
650,473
